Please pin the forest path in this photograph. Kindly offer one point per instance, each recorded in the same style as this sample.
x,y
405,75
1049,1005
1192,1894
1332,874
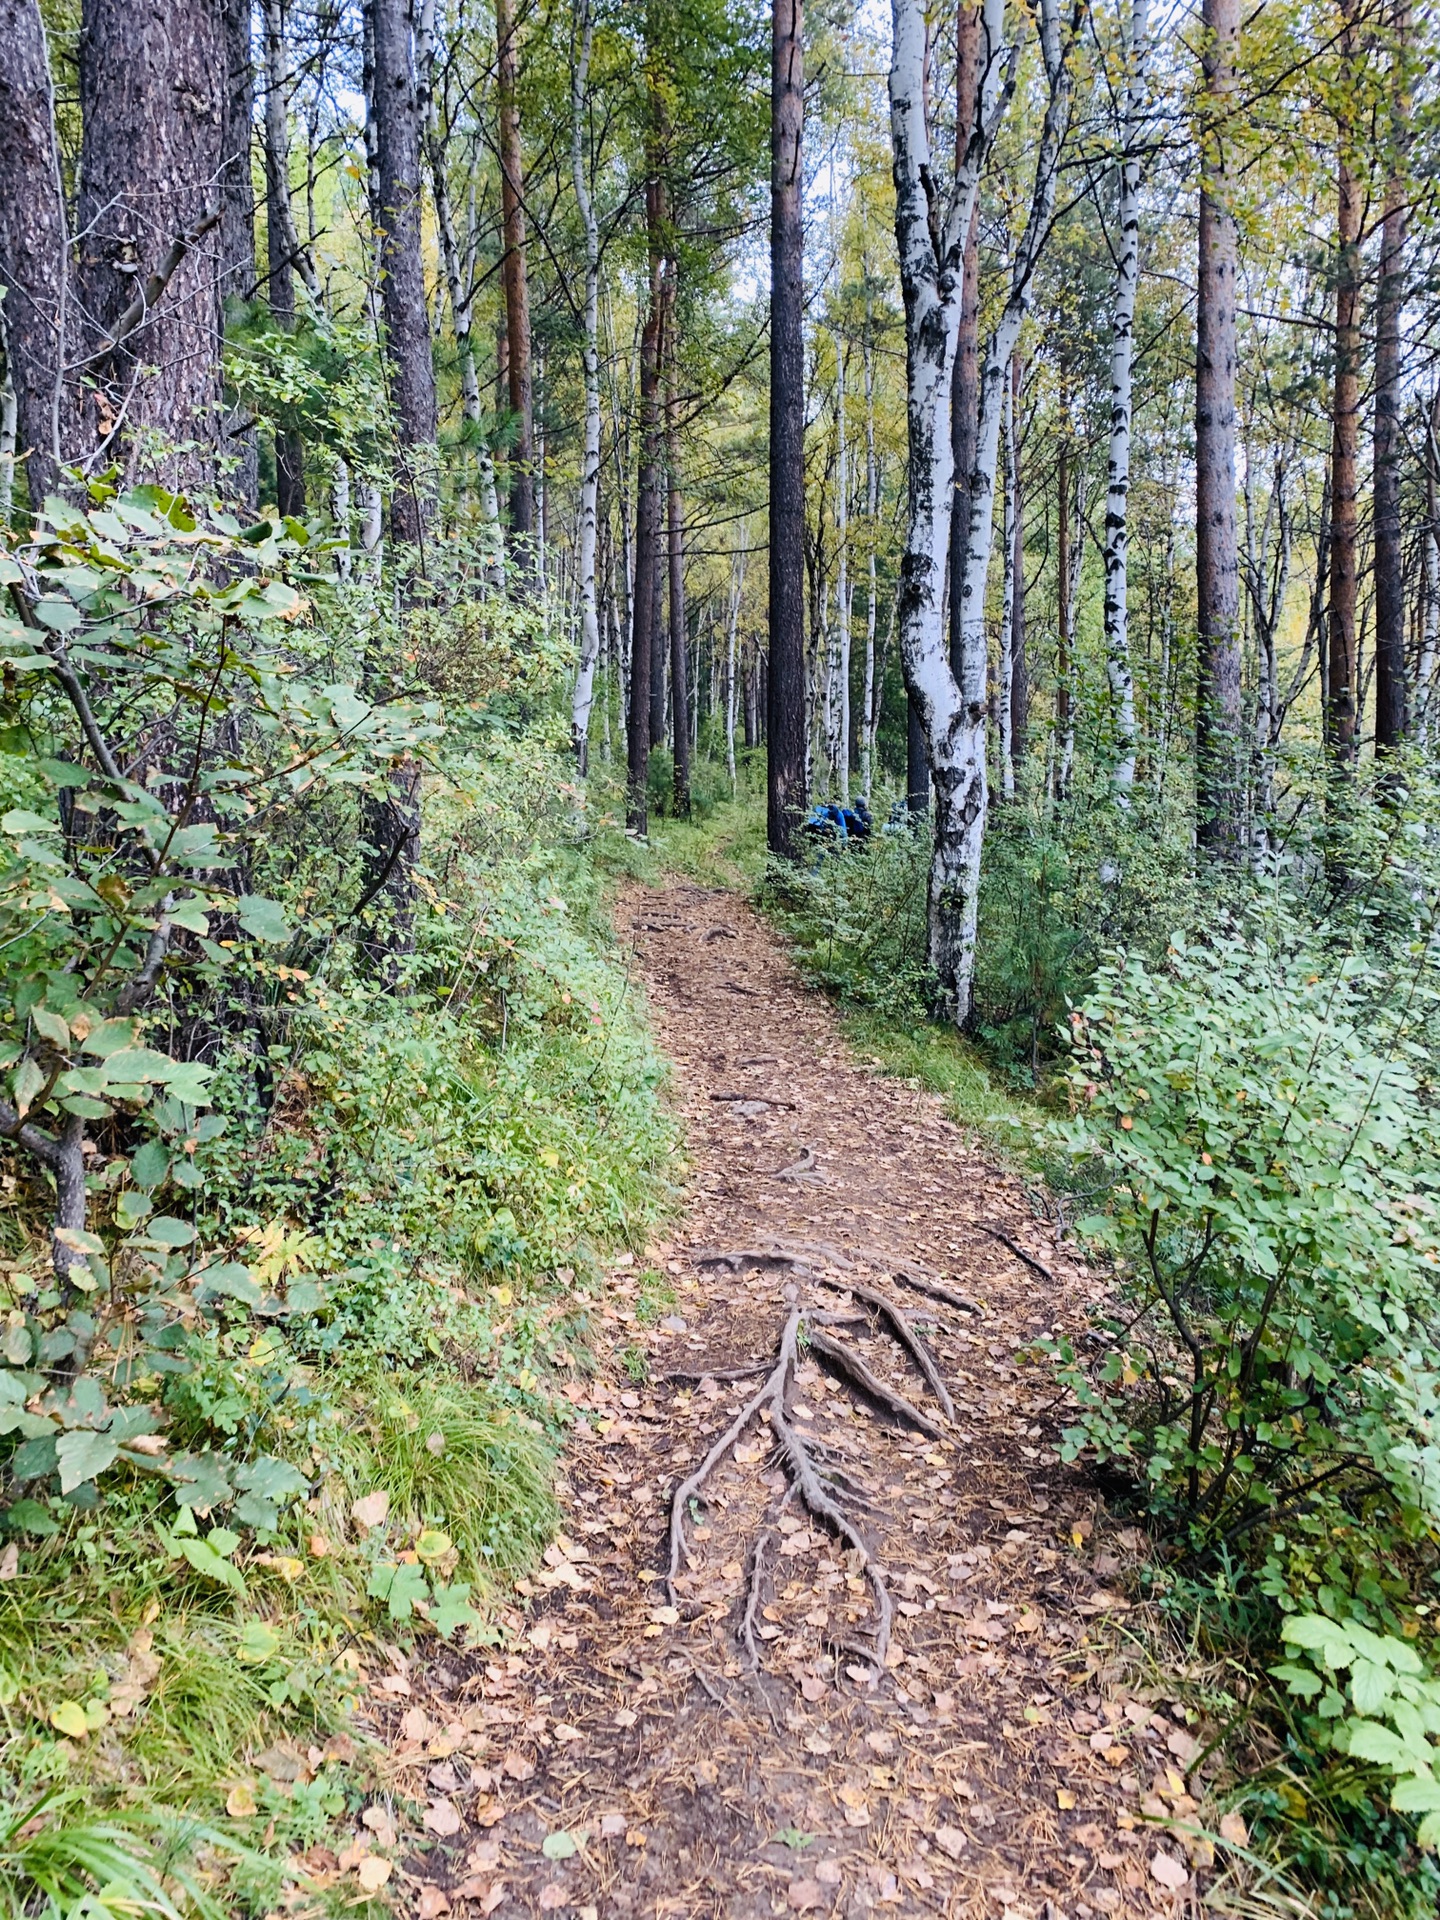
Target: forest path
x,y
619,1757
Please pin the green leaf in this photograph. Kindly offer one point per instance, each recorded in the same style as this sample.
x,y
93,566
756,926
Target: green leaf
x,y
20,820
222,1541
28,1516
399,1587
451,1609
149,1165
137,1065
200,1480
1418,1794
166,1231
83,1455
50,1026
258,1643
1319,1635
109,1037
229,1280
559,1845
262,918
1302,1681
203,1557
1368,1740
1370,1686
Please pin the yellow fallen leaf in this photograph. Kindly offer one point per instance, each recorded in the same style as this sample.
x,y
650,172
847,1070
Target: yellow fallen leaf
x,y
373,1872
665,1616
69,1718
1234,1830
1064,1799
240,1802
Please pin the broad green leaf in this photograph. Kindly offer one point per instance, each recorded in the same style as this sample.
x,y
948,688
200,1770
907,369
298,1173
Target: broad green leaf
x,y
1368,1740
204,1559
261,918
83,1455
149,1164
559,1845
451,1609
166,1231
109,1037
20,820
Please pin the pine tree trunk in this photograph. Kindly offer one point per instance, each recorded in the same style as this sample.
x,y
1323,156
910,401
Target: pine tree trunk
x,y
153,116
282,246
1118,668
402,291
590,356
786,796
40,332
237,233
1340,713
674,516
1391,720
514,276
1218,793
645,612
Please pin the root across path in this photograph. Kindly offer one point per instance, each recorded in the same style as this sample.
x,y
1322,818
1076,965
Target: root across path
x,y
825,1629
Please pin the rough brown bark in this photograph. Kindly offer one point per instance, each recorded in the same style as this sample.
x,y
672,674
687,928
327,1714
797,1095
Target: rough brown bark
x,y
785,786
1019,671
153,113
237,229
1062,620
644,615
1340,713
679,625
513,271
1391,702
1218,712
280,278
34,254
402,290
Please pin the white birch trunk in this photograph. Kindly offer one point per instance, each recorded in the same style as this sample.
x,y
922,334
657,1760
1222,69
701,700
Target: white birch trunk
x,y
340,514
590,460
954,714
1118,669
1007,612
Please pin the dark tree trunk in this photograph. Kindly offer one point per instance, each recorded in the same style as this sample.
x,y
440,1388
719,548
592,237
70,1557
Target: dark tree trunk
x,y
644,616
153,82
679,625
660,631
965,388
1391,703
1218,711
280,282
237,230
402,289
752,702
513,272
1062,624
1019,669
34,252
786,795
1340,713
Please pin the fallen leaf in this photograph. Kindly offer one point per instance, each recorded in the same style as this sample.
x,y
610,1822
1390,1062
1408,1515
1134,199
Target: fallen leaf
x,y
812,1687
371,1510
373,1871
494,1898
612,1825
1233,1829
559,1845
69,1718
665,1616
1064,1799
804,1894
553,1897
829,1872
951,1840
1165,1868
10,1561
539,1635
432,1903
516,1765
1183,1745
442,1819
240,1802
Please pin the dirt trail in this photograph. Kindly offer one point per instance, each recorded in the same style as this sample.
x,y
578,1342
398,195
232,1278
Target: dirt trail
x,y
621,1757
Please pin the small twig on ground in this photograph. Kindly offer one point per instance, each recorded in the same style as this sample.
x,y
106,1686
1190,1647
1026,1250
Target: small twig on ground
x,y
767,1099
805,1169
721,1373
1028,1259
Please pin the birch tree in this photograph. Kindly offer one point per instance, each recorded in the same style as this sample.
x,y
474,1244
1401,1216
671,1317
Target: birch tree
x,y
954,711
1134,48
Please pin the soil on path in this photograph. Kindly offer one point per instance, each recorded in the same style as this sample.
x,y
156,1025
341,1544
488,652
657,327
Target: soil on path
x,y
620,1756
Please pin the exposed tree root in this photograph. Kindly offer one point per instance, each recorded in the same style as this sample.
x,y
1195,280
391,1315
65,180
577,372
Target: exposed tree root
x,y
804,1257
907,1337
936,1292
847,1361
754,1576
802,1469
720,1373
721,933
804,1170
